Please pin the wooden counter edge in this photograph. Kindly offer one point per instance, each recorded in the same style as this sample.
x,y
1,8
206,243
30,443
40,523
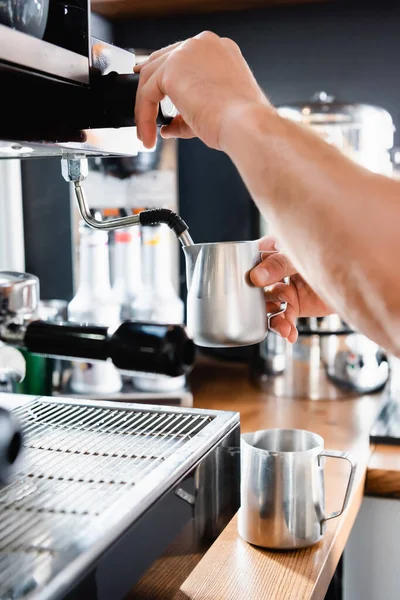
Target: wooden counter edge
x,y
383,473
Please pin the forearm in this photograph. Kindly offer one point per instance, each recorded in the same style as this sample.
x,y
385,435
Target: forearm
x,y
339,223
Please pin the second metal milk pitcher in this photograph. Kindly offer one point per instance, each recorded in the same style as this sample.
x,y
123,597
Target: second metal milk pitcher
x,y
223,307
282,488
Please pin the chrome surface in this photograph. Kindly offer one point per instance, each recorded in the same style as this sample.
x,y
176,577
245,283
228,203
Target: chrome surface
x,y
19,296
22,49
363,132
328,367
282,488
324,108
19,302
88,471
107,57
273,354
117,223
75,170
223,308
186,239
94,142
12,368
128,393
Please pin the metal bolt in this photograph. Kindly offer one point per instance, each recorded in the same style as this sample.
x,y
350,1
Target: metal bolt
x,y
74,169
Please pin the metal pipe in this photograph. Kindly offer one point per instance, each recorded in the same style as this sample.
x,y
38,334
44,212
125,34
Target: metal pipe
x,y
93,222
185,239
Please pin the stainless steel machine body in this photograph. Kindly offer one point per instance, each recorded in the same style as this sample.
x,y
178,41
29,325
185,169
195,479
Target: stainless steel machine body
x,y
103,488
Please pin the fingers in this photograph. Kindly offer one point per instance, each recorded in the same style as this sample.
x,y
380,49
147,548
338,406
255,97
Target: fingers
x,y
149,69
267,244
281,292
280,326
271,269
178,128
284,324
148,98
166,50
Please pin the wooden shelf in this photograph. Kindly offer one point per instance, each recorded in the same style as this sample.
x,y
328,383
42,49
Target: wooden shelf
x,y
124,8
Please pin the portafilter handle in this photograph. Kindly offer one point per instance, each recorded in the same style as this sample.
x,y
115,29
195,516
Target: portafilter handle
x,y
134,346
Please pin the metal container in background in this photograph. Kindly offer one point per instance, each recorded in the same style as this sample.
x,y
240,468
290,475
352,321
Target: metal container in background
x,y
282,488
325,364
363,132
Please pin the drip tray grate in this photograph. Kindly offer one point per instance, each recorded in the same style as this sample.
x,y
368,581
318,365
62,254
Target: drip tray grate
x,y
81,461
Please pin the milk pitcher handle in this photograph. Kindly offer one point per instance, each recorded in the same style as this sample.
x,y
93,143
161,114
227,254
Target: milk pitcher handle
x,y
344,456
282,307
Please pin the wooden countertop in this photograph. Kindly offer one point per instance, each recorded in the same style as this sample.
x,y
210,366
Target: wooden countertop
x,y
233,569
383,473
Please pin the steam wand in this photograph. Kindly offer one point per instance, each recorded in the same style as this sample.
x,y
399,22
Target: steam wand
x,y
75,170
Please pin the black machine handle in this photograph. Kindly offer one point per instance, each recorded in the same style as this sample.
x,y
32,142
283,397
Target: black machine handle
x,y
133,346
116,95
109,102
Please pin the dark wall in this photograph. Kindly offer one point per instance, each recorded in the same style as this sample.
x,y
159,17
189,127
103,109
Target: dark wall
x,y
47,227
101,28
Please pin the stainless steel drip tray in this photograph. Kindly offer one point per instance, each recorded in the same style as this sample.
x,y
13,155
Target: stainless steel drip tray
x,y
88,471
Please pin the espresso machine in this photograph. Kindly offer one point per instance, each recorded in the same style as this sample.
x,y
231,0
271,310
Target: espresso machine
x,y
93,491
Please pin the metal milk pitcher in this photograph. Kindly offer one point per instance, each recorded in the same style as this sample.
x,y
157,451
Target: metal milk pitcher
x,y
282,488
223,307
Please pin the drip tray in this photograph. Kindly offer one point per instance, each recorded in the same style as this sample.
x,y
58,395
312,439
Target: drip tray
x,y
87,472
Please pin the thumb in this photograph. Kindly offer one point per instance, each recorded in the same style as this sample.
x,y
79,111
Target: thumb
x,y
178,128
272,269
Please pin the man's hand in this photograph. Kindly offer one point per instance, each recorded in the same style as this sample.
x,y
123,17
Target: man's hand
x,y
301,300
207,79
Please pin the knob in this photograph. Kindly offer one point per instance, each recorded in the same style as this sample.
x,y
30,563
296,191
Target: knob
x,y
19,296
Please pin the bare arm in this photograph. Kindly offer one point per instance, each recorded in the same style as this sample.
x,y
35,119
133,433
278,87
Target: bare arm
x,y
339,223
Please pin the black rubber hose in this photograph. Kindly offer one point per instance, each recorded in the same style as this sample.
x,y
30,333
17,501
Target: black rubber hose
x,y
155,216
